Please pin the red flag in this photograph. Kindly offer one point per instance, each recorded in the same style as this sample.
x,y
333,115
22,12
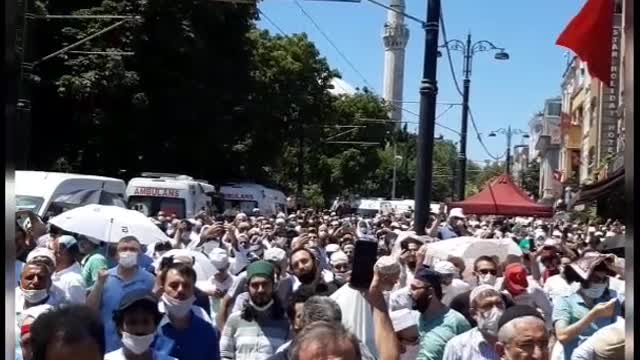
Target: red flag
x,y
589,36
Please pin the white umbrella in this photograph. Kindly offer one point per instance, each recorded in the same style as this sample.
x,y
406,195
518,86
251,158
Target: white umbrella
x,y
203,267
470,248
109,224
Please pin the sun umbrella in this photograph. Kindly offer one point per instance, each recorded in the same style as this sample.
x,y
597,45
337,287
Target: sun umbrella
x,y
109,224
203,267
470,248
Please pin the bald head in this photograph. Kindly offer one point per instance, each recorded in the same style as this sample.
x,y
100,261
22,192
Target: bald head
x,y
523,337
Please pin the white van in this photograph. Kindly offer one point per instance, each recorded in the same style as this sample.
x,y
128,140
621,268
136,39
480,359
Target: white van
x,y
50,193
244,197
176,194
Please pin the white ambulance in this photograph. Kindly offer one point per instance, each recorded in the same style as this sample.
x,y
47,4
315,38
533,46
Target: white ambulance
x,y
245,197
50,193
176,194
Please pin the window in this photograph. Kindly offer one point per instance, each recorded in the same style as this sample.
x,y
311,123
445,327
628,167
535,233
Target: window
x,y
554,108
32,203
151,205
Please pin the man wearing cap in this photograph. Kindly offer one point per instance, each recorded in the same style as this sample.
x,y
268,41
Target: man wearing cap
x,y
593,306
478,343
136,319
262,327
341,268
438,323
116,282
216,286
455,226
451,286
522,334
405,325
68,274
523,291
93,262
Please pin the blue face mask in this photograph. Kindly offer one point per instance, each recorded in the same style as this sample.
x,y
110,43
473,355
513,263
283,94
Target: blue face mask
x,y
595,291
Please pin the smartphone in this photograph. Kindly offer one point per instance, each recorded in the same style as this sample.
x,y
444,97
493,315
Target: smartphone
x,y
365,256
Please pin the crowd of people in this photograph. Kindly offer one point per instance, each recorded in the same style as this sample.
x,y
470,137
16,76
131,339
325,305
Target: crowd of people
x,y
281,289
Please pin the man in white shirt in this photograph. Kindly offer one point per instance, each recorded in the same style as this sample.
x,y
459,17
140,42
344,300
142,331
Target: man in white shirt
x,y
451,287
68,273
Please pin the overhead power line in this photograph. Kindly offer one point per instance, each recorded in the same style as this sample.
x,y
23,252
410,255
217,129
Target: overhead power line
x,y
262,14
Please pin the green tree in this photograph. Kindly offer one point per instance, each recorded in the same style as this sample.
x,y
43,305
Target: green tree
x,y
530,178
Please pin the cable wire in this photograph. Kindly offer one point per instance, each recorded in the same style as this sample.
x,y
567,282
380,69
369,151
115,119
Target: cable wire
x,y
455,82
351,65
271,22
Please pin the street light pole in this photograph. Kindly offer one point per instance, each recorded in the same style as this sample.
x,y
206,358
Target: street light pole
x,y
462,155
508,165
468,49
508,132
428,93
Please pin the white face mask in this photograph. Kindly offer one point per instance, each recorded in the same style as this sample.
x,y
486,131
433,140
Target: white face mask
x,y
488,322
177,308
137,344
487,279
34,296
128,259
595,291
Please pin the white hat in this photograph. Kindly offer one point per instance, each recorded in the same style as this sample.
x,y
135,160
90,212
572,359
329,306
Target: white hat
x,y
280,221
331,248
275,255
445,267
457,213
339,257
598,233
557,233
388,265
41,252
219,259
550,243
403,319
610,234
480,289
591,229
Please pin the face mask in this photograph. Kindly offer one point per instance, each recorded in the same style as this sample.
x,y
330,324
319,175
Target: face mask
x,y
488,322
137,344
128,259
487,279
595,291
344,276
34,296
177,308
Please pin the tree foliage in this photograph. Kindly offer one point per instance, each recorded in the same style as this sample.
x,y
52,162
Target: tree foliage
x,y
207,94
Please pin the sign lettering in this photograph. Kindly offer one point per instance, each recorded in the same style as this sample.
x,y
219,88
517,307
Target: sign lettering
x,y
610,98
158,192
238,196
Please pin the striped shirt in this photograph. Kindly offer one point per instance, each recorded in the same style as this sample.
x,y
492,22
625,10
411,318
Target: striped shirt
x,y
470,345
253,340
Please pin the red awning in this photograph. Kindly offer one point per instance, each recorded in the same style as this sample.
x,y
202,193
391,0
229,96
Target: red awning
x,y
502,197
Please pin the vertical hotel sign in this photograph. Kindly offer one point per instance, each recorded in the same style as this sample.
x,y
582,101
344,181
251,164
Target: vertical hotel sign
x,y
611,95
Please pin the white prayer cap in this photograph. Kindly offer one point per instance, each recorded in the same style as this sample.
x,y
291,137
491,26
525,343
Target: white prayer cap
x,y
339,257
331,248
41,252
445,267
457,213
388,265
403,319
219,259
479,290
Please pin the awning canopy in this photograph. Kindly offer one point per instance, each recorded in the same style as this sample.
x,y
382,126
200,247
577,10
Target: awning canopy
x,y
599,189
502,197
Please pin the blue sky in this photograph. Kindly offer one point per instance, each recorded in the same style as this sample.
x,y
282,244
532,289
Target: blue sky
x,y
502,92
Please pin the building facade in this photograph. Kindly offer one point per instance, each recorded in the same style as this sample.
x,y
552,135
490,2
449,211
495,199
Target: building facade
x,y
546,140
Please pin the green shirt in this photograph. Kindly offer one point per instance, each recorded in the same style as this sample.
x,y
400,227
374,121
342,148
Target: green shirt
x,y
91,266
436,331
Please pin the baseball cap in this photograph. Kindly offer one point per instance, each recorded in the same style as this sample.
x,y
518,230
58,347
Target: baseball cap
x,y
136,296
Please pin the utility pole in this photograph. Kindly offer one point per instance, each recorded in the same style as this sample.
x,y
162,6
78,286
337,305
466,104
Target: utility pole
x,y
428,94
468,49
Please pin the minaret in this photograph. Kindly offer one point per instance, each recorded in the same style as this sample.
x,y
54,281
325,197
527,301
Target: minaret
x,y
395,37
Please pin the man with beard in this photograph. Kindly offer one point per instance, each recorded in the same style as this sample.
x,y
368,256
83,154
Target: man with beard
x,y
306,268
479,343
262,327
438,323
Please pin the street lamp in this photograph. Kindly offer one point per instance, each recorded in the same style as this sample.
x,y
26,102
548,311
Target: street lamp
x,y
508,132
468,50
